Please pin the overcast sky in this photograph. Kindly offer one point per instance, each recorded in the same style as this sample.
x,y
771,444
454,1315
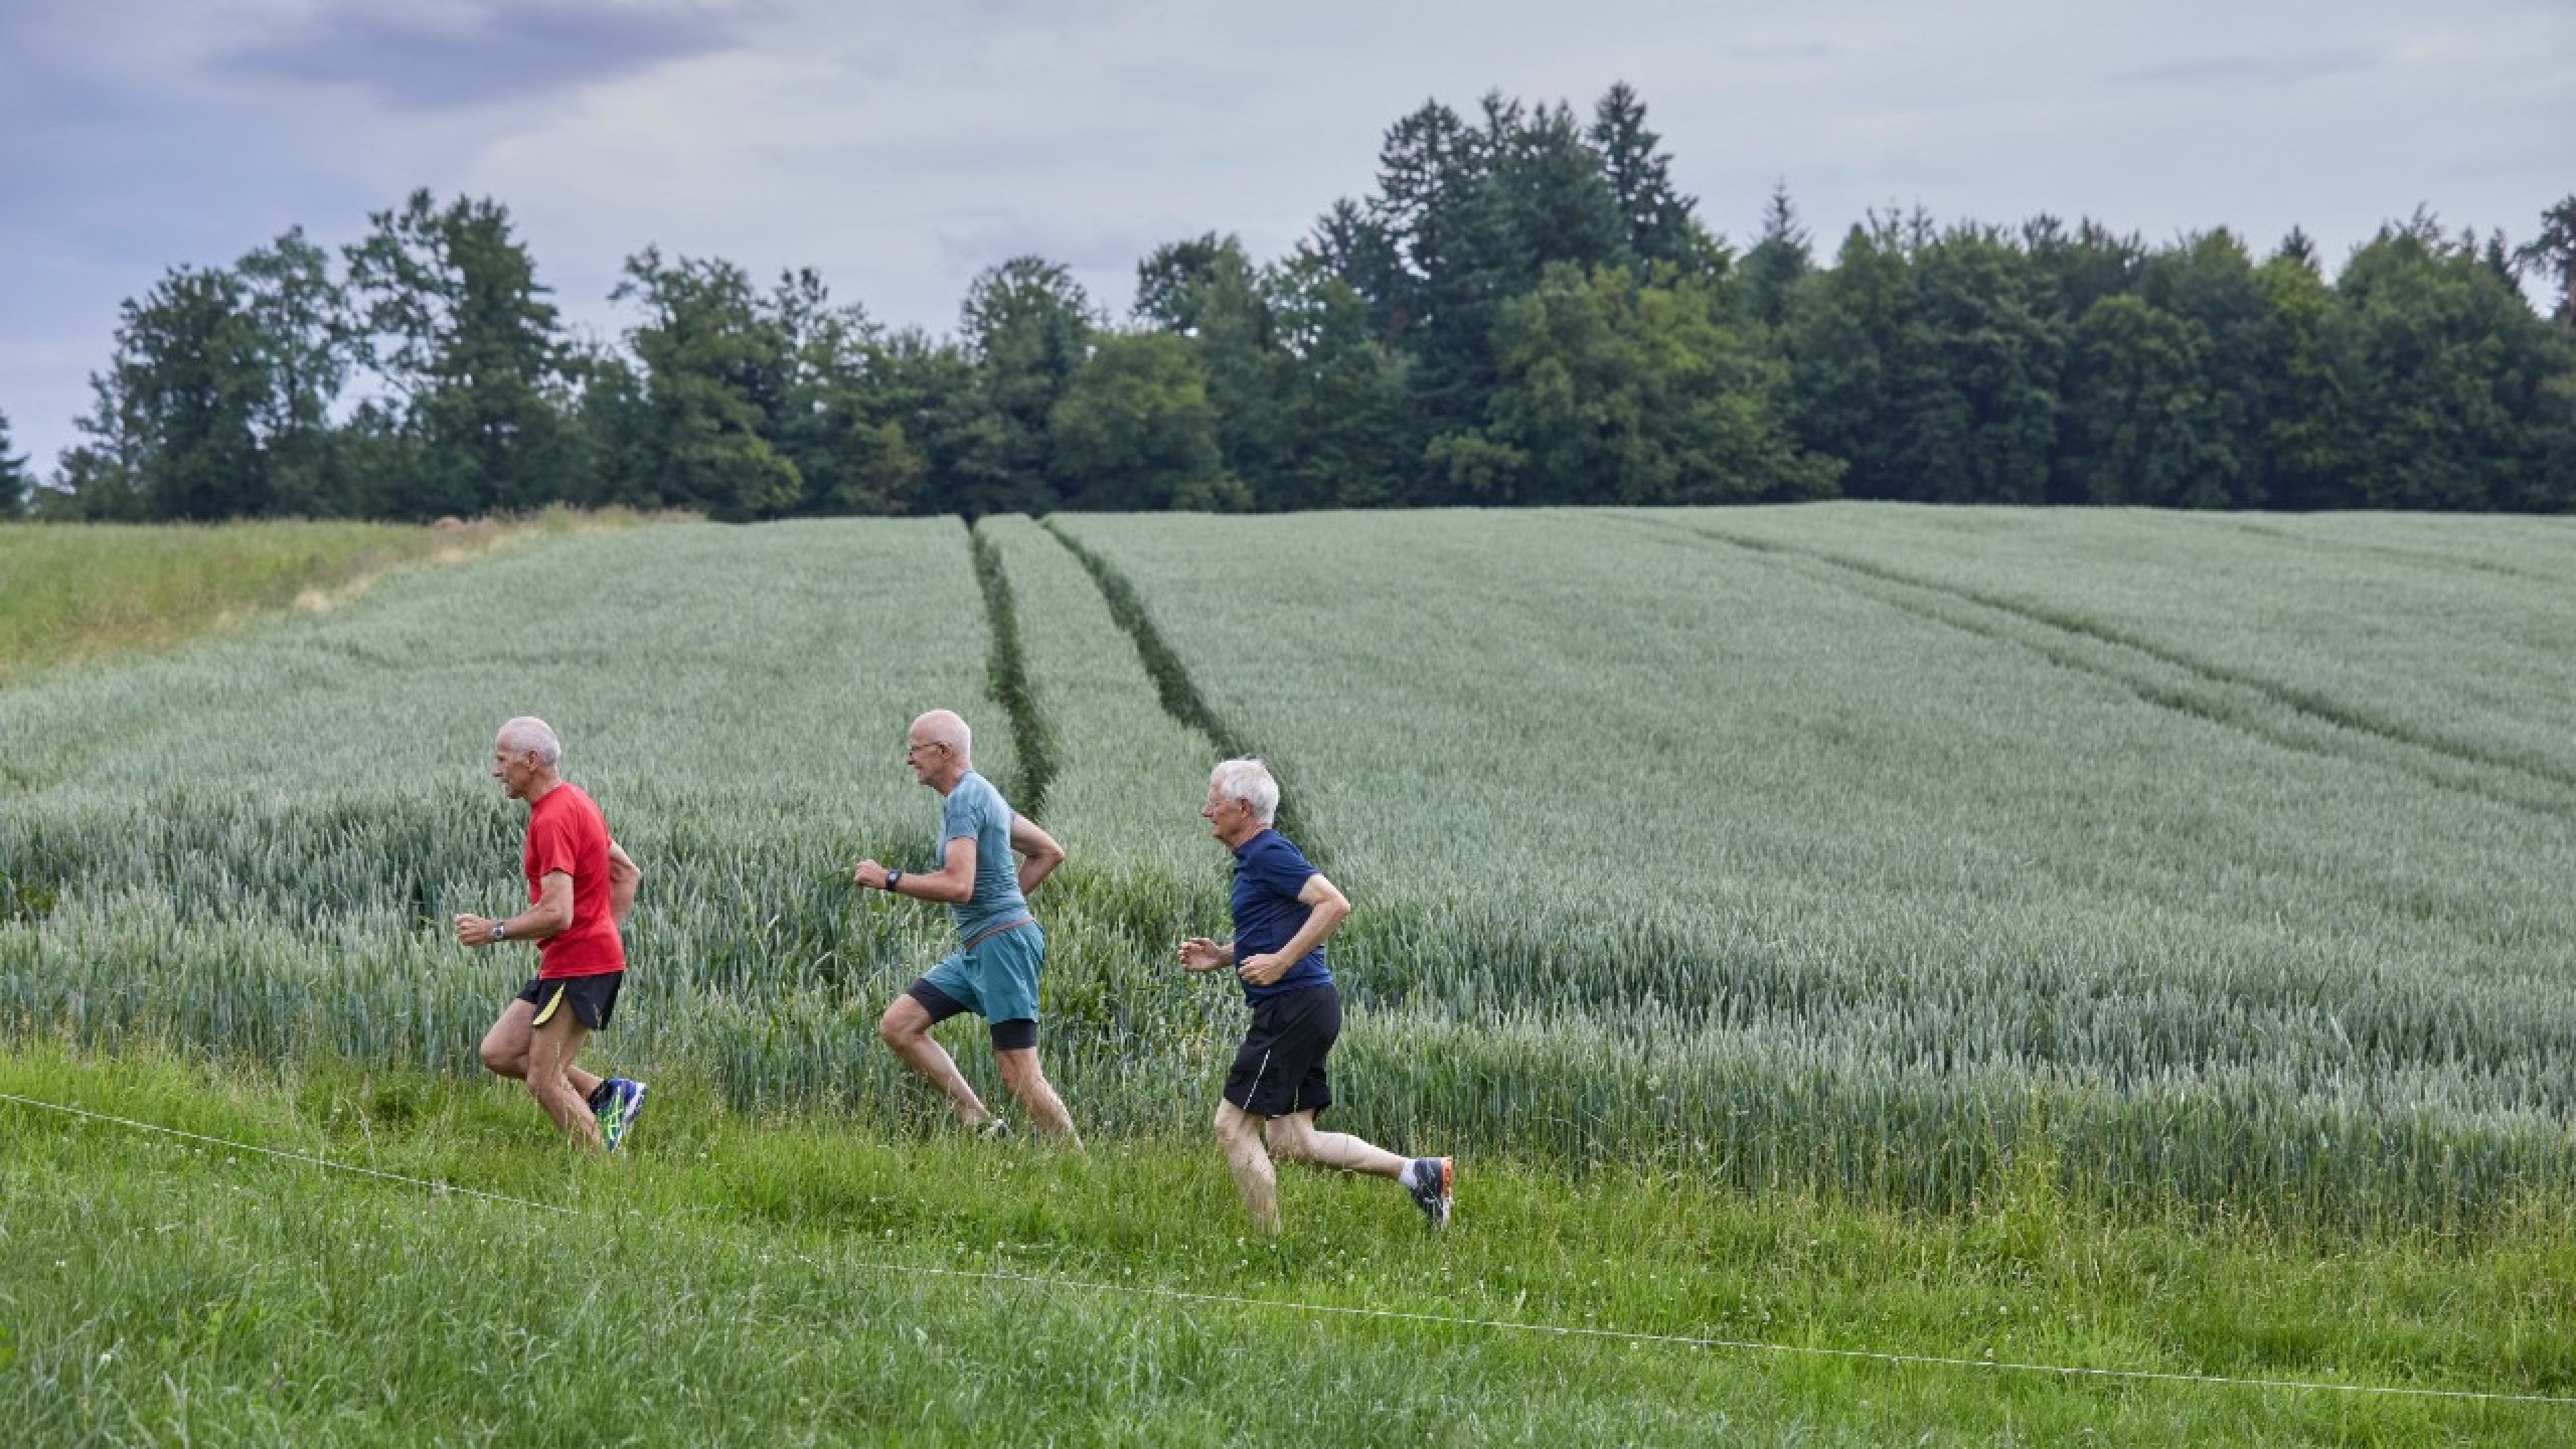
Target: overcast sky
x,y
900,149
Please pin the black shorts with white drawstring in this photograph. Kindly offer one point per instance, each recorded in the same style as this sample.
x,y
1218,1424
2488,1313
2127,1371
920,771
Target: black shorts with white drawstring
x,y
1279,1070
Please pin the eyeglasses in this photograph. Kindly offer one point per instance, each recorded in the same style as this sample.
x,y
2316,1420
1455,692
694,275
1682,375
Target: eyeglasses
x,y
911,750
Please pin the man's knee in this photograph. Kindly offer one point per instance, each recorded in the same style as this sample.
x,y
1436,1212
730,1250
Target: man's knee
x,y
1019,1069
505,1054
1291,1139
897,1027
1236,1127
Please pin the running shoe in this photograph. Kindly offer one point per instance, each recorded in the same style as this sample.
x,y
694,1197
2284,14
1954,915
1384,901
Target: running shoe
x,y
1427,1178
994,1129
618,1113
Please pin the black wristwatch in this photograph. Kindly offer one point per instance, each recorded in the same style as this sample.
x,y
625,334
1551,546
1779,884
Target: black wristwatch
x,y
891,877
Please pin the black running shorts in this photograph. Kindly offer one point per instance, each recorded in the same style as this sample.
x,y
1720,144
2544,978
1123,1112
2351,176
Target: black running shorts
x,y
590,999
1279,1070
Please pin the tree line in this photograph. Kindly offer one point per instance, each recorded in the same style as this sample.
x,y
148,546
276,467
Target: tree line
x,y
1524,311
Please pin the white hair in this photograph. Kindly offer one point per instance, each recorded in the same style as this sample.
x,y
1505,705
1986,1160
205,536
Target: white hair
x,y
947,727
1248,782
534,736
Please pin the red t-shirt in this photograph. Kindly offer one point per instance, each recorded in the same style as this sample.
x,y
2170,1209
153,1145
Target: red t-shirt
x,y
567,833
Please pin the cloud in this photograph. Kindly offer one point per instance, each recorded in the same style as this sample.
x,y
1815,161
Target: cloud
x,y
1797,50
455,56
2248,70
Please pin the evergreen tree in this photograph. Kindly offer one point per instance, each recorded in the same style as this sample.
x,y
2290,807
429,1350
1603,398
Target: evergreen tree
x,y
1558,207
1456,253
1356,248
1655,220
2554,253
17,482
1778,262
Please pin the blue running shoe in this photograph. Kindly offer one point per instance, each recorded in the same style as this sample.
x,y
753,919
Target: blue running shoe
x,y
618,1113
1427,1178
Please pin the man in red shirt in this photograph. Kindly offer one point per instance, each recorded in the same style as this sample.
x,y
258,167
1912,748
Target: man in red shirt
x,y
580,887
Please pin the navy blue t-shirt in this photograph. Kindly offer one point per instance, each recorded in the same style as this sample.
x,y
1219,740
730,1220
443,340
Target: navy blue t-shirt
x,y
1268,874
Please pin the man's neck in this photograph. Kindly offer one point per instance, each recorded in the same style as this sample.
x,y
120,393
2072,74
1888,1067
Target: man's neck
x,y
543,786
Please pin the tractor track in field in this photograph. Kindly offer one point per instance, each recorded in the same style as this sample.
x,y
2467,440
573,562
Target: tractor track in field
x,y
1180,694
1031,737
2074,641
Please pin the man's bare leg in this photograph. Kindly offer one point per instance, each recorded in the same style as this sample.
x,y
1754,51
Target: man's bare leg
x,y
1240,1134
551,1049
906,1028
505,1049
1294,1139
1020,1073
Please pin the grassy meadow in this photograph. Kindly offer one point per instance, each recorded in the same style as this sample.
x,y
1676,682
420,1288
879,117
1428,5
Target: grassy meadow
x,y
796,1281
2147,931
73,591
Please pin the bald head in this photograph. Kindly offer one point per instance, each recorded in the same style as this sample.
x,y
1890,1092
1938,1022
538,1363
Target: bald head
x,y
939,749
943,727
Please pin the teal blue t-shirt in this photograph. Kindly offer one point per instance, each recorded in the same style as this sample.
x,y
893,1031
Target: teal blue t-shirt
x,y
976,811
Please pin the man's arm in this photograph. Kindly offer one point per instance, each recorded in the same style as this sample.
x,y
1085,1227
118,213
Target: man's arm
x,y
1039,854
623,876
953,883
1327,908
551,915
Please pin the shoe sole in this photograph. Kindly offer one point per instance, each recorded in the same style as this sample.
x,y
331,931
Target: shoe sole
x,y
1439,1212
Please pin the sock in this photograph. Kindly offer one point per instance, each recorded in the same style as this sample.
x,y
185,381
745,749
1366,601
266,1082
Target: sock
x,y
599,1095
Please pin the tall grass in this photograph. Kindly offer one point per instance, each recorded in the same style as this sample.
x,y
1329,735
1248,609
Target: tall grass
x,y
1740,858
1666,845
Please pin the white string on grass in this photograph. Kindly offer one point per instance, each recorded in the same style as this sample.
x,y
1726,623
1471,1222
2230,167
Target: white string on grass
x,y
1443,1320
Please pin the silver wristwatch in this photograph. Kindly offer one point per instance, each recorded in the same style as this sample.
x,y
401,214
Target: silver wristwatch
x,y
500,930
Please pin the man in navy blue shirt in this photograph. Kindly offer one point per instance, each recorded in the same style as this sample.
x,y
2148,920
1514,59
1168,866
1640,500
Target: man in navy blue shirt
x,y
1283,910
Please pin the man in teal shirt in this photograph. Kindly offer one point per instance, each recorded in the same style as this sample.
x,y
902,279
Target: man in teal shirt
x,y
994,972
